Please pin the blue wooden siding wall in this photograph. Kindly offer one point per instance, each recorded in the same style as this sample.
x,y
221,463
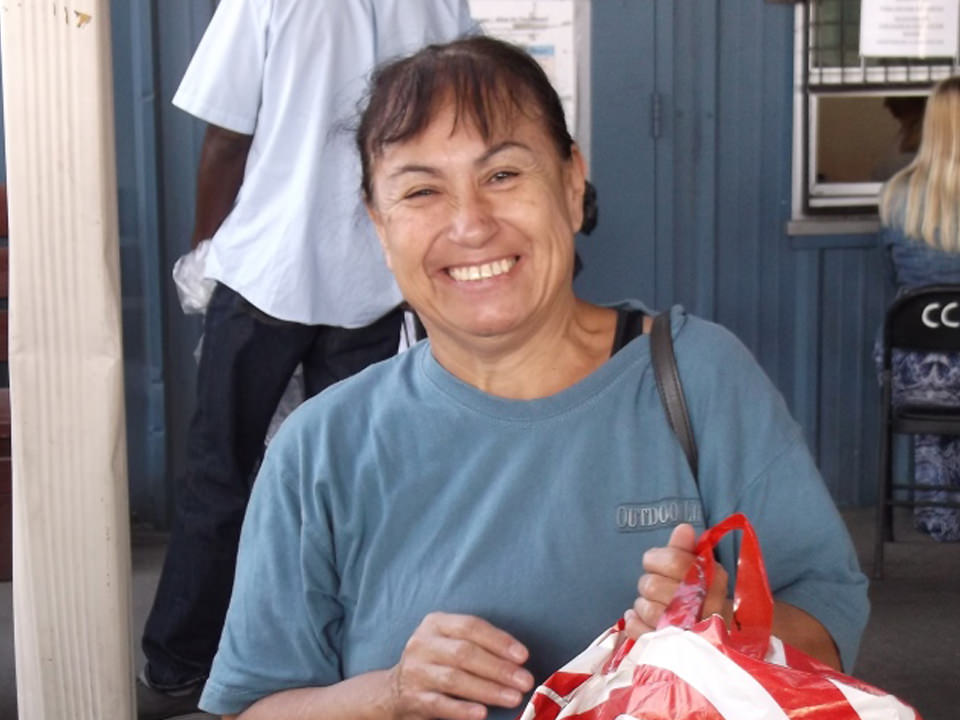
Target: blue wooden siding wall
x,y
140,260
692,123
178,28
157,149
692,127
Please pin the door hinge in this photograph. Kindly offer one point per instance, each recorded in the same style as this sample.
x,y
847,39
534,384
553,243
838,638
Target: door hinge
x,y
656,114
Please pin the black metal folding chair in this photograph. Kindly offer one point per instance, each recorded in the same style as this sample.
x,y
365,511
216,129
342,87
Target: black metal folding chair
x,y
924,319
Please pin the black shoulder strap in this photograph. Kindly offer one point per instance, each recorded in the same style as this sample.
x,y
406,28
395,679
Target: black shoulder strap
x,y
670,389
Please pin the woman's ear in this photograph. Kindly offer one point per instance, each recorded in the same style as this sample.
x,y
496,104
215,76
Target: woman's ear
x,y
377,219
576,186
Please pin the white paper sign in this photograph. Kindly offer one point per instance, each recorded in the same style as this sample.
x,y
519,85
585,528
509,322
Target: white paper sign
x,y
910,28
545,28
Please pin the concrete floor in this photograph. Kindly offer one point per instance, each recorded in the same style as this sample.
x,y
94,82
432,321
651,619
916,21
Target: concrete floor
x,y
911,647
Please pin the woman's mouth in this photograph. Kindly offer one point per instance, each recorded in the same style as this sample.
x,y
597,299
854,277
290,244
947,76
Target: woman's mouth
x,y
469,273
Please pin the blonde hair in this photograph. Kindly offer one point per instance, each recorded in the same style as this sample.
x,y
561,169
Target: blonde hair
x,y
924,198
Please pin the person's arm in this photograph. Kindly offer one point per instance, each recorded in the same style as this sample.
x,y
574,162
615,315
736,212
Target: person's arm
x,y
362,697
664,570
219,177
803,631
452,666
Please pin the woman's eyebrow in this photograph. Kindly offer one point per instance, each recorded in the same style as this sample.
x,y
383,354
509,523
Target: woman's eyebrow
x,y
413,168
500,147
487,155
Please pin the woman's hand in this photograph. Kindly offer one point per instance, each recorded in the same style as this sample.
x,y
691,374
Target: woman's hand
x,y
454,665
664,570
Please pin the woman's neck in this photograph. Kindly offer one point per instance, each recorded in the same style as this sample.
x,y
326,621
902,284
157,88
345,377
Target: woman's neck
x,y
538,364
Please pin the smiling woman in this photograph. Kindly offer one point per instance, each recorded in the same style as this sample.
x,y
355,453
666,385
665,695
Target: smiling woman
x,y
479,234
435,535
476,189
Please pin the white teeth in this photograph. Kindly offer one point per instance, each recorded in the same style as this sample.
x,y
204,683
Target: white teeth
x,y
481,272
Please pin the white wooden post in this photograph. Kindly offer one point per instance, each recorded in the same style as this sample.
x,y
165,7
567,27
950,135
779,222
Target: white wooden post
x,y
71,536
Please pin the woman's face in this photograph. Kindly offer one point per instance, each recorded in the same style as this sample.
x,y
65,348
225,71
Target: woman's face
x,y
479,234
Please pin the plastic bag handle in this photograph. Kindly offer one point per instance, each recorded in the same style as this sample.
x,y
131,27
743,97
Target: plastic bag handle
x,y
752,601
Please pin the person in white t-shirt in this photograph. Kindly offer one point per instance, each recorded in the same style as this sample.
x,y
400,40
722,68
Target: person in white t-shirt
x,y
300,276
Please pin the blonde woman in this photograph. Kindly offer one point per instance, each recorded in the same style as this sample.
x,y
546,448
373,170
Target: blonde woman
x,y
920,210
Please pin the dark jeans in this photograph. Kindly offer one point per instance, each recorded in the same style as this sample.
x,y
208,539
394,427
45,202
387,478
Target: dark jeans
x,y
245,364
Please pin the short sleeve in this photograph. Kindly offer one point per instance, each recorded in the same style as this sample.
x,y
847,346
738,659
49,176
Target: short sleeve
x,y
810,559
223,83
283,625
754,460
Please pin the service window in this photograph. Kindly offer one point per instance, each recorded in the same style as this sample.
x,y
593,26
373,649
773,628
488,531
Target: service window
x,y
857,119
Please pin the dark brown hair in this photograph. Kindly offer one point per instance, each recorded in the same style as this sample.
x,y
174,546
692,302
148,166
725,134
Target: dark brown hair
x,y
488,80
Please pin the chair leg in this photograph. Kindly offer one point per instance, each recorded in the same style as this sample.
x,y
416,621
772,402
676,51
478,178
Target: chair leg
x,y
883,523
888,515
879,537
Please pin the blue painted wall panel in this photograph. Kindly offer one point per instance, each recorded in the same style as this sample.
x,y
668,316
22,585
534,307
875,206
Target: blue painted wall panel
x,y
619,256
156,160
721,190
131,27
854,295
690,239
179,27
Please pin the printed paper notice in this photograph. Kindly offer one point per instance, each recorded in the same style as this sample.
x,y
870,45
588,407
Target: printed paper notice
x,y
545,28
910,28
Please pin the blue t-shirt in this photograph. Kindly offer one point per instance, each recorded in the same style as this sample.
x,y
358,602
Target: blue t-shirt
x,y
402,491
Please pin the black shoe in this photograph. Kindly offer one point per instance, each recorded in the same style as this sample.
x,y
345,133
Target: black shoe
x,y
153,704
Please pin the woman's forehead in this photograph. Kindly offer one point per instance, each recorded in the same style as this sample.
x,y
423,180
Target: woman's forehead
x,y
450,123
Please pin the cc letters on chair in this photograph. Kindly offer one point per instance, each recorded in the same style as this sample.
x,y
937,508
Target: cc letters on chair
x,y
925,319
941,315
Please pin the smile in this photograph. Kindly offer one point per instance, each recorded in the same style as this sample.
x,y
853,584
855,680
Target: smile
x,y
467,273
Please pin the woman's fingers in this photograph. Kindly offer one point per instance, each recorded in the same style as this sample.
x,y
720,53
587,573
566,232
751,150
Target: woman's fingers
x,y
479,632
658,589
479,648
673,560
454,665
664,570
683,537
460,683
458,659
634,625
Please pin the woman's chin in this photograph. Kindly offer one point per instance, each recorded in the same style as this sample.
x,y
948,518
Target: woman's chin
x,y
488,327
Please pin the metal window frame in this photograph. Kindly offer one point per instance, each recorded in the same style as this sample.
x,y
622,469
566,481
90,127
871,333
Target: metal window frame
x,y
813,199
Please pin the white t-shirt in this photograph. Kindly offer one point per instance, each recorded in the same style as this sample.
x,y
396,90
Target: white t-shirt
x,y
298,243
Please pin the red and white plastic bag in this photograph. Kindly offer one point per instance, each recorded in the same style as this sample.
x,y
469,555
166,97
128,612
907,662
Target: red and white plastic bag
x,y
686,670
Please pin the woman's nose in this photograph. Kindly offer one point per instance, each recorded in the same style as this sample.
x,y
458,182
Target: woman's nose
x,y
472,221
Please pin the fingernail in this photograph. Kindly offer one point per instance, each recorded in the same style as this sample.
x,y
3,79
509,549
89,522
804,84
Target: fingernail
x,y
518,652
511,697
523,679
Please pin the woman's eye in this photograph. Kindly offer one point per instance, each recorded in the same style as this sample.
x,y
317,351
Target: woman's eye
x,y
502,175
419,193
